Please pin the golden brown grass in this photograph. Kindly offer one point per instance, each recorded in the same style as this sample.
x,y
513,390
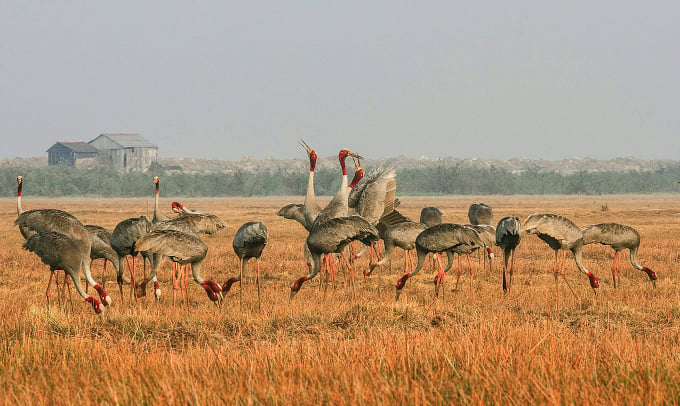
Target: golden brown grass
x,y
480,347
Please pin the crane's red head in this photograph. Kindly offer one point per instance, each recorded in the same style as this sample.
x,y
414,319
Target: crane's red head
x,y
358,174
594,283
296,286
20,183
227,284
156,182
95,304
213,290
311,154
106,299
157,290
402,281
342,156
177,207
651,274
489,252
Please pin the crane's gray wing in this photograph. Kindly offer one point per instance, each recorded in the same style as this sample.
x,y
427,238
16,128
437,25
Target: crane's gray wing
x,y
487,234
127,232
508,227
445,236
201,223
333,234
47,220
553,225
249,234
99,231
54,249
375,194
391,219
180,247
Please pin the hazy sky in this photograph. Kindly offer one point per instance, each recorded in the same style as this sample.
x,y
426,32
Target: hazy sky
x,y
226,79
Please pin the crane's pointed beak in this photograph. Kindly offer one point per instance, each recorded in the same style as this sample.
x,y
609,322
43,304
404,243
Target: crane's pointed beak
x,y
305,146
354,154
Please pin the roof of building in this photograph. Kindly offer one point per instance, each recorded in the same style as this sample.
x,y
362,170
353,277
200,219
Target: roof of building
x,y
115,141
76,146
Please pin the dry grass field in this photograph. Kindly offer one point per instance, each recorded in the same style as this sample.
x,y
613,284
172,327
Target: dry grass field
x,y
471,346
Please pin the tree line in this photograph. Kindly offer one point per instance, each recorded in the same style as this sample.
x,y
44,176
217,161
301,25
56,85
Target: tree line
x,y
438,181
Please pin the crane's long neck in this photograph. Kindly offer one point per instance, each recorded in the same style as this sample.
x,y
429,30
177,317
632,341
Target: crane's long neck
x,y
449,258
196,271
389,248
311,207
309,197
343,193
633,259
422,254
19,209
577,258
594,283
156,211
316,265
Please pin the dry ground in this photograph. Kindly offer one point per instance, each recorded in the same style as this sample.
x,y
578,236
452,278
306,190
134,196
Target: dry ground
x,y
476,345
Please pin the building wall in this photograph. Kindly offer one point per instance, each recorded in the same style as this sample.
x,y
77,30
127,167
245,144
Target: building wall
x,y
86,163
128,159
60,157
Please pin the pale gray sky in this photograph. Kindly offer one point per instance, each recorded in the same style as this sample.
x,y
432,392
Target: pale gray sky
x,y
224,79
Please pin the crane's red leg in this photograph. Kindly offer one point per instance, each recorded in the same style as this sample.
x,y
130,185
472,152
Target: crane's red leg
x,y
60,291
378,250
618,268
240,284
460,269
104,274
132,273
472,271
351,272
505,271
174,284
512,266
615,266
439,279
67,284
259,303
87,285
564,276
185,277
47,291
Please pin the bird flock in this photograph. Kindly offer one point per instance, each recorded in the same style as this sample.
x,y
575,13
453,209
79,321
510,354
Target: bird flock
x,y
363,209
